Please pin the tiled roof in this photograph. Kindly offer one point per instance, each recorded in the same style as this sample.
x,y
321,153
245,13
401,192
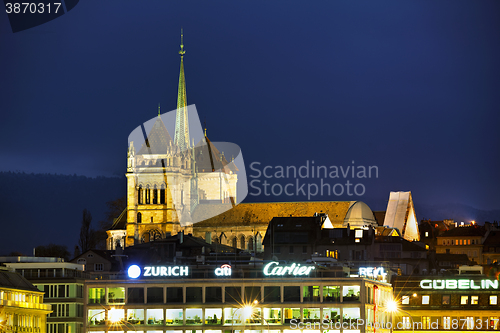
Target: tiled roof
x,y
15,281
263,213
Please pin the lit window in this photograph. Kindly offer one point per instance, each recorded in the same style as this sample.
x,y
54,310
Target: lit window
x,y
425,299
406,322
493,300
446,300
464,300
474,300
426,323
446,323
470,323
405,300
426,234
358,233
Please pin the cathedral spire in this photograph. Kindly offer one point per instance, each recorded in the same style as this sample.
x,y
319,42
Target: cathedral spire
x,y
181,137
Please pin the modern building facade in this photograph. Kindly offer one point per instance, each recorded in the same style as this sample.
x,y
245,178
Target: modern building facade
x,y
440,303
221,299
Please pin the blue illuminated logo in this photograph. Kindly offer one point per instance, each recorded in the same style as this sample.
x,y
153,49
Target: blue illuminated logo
x,y
134,271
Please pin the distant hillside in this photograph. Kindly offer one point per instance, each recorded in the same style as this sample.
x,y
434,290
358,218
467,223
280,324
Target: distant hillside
x,y
458,212
38,209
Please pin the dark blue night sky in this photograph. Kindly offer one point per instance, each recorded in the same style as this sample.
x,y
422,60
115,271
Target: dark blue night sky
x,y
412,87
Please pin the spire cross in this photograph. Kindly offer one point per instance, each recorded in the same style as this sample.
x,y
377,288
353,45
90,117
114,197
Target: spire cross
x,y
181,52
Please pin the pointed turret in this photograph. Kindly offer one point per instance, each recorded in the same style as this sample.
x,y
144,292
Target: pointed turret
x,y
181,137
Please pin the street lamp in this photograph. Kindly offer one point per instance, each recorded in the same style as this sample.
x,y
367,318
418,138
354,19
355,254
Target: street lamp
x,y
392,307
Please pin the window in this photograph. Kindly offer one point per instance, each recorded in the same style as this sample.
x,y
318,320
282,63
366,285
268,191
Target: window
x,y
98,267
464,300
425,299
90,255
291,294
139,218
446,300
242,242
426,323
405,300
426,234
358,233
474,300
470,323
304,249
446,323
406,322
272,294
350,293
493,300
290,250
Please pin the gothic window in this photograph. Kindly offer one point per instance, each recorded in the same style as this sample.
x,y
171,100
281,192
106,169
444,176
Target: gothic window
x,y
139,217
235,242
139,194
162,194
242,242
155,196
250,244
147,195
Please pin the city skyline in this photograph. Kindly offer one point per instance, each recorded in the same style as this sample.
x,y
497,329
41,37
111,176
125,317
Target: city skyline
x,y
410,88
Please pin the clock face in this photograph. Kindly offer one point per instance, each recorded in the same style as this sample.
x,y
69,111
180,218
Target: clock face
x,y
151,235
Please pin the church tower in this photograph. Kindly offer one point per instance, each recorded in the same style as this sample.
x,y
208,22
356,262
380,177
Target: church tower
x,y
170,184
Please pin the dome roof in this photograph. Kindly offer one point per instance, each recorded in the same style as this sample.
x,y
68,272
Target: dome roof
x,y
359,214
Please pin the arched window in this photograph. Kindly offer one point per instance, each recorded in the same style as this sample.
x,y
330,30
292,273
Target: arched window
x,y
235,242
155,195
139,195
139,217
242,242
250,244
148,195
162,194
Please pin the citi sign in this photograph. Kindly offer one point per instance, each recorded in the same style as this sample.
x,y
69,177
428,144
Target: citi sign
x,y
224,270
135,271
459,284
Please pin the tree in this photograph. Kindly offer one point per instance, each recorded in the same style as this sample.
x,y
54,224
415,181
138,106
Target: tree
x,y
52,250
87,238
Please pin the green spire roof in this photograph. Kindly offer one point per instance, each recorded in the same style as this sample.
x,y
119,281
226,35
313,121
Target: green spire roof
x,y
181,137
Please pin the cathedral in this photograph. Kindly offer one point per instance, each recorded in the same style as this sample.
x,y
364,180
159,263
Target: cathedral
x,y
177,185
172,183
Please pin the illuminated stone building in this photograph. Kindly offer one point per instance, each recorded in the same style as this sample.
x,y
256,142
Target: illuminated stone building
x,y
168,180
440,303
21,305
62,285
272,298
175,184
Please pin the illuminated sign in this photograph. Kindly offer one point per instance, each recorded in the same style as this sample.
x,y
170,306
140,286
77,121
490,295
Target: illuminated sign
x,y
373,272
459,284
134,271
224,270
274,268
